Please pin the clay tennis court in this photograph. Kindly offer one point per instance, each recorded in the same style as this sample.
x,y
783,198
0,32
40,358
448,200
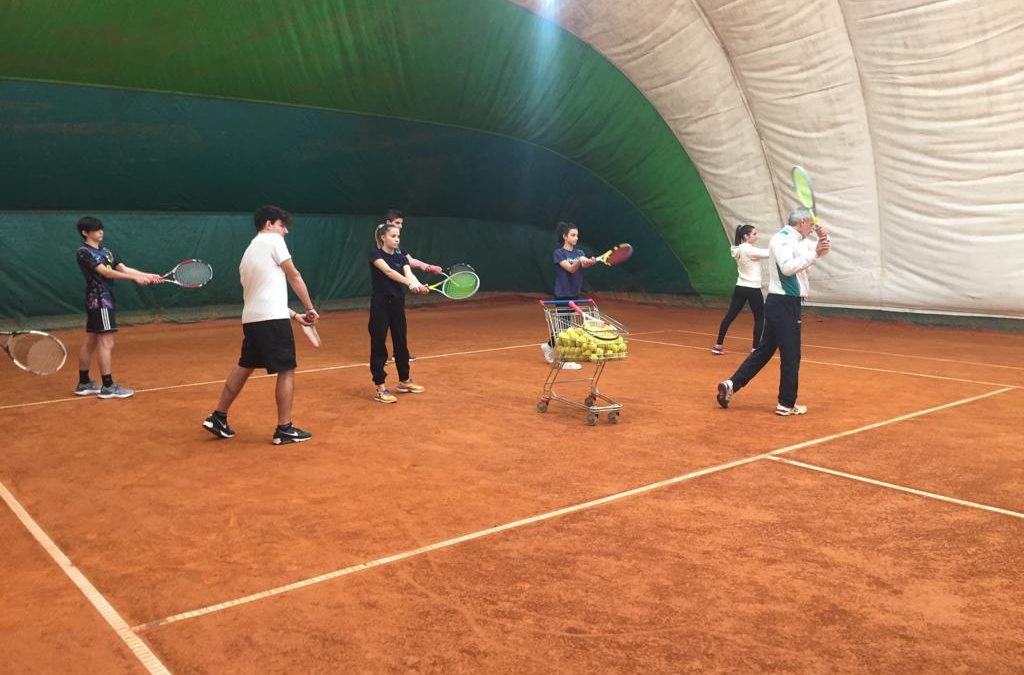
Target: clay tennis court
x,y
462,531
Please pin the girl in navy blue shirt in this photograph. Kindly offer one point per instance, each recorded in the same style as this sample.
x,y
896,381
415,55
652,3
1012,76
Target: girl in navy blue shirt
x,y
569,263
390,276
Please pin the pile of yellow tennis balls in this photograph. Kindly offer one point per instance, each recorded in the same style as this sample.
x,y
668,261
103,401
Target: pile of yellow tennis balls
x,y
577,344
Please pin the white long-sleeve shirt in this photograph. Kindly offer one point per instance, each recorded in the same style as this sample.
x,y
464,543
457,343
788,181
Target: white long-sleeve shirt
x,y
748,262
790,254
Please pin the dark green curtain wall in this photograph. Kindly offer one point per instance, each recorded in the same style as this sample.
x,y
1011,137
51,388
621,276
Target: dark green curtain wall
x,y
473,110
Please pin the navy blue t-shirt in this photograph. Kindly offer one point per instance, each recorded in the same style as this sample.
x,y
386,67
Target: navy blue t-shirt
x,y
382,284
567,285
99,290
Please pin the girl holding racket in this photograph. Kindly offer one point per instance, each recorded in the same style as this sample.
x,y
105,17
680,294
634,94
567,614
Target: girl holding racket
x,y
390,276
569,263
748,285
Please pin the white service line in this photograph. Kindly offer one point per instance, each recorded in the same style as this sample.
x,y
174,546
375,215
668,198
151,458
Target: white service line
x,y
148,659
868,351
439,545
901,488
298,372
538,518
846,365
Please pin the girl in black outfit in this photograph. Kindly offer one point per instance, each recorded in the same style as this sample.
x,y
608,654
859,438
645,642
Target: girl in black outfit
x,y
390,276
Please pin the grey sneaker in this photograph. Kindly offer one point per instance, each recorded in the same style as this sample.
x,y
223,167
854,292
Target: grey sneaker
x,y
724,393
116,391
87,389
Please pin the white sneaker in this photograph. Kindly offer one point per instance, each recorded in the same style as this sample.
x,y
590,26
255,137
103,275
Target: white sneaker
x,y
795,410
571,365
549,354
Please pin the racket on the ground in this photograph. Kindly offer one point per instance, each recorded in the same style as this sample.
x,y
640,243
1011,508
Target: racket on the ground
x,y
34,351
616,255
461,283
190,274
312,335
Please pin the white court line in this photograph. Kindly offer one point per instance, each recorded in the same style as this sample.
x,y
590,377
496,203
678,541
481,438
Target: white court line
x,y
867,351
876,425
538,518
901,488
148,659
846,365
441,544
297,372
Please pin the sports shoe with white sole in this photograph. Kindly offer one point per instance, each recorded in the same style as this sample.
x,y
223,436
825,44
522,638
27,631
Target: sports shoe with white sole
x,y
718,350
385,396
115,391
795,410
724,393
549,354
410,387
292,434
571,365
218,427
87,388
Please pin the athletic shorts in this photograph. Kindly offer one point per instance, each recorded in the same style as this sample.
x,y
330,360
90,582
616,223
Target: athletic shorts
x,y
100,320
268,344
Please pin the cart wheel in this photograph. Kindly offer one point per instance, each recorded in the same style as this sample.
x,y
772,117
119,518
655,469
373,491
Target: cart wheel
x,y
542,406
613,417
591,419
590,400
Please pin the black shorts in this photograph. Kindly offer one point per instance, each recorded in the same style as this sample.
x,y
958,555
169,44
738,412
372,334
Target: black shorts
x,y
100,321
268,344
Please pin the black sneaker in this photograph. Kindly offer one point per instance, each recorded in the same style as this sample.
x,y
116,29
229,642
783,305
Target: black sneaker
x,y
218,427
292,434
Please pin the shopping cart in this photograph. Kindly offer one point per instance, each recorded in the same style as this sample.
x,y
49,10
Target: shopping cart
x,y
582,335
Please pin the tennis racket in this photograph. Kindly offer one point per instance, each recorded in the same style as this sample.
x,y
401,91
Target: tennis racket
x,y
34,351
805,194
616,255
804,191
312,335
190,273
461,283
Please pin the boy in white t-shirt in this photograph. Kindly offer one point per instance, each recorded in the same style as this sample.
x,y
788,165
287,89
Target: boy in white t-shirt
x,y
266,271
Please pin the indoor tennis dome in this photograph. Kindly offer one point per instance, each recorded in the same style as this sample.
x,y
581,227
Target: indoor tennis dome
x,y
664,123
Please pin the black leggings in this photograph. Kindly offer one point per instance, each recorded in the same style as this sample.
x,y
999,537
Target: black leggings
x,y
388,313
740,296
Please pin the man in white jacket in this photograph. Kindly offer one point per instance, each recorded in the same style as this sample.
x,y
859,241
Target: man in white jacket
x,y
791,254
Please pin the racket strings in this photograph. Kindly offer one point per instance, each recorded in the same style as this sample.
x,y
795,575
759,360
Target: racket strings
x,y
194,273
38,353
461,285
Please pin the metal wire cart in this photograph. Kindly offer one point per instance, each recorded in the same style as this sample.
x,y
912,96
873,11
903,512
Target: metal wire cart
x,y
582,335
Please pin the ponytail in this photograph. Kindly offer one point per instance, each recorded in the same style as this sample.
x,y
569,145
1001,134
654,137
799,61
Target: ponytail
x,y
742,231
562,229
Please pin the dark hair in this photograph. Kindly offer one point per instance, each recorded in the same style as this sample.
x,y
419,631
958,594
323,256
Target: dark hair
x,y
562,229
391,214
88,224
271,214
742,231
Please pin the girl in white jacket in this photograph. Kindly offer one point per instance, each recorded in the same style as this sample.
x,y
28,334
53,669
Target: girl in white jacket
x,y
748,285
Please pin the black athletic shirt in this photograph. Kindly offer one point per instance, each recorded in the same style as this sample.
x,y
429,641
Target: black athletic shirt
x,y
383,285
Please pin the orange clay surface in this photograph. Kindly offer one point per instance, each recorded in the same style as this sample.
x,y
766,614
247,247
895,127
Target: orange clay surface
x,y
761,565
